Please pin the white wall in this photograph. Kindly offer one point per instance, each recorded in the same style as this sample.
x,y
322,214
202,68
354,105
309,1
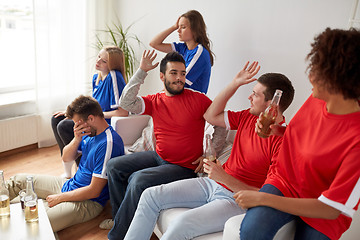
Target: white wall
x,y
277,33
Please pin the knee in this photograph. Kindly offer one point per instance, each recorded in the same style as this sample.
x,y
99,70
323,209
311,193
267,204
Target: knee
x,y
139,181
112,166
253,227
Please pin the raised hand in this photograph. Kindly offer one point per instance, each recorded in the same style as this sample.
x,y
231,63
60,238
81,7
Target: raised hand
x,y
147,59
246,75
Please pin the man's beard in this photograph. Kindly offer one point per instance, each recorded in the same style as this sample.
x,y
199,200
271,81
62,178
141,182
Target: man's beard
x,y
173,91
92,132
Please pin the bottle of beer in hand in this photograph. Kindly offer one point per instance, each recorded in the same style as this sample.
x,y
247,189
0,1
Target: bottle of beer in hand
x,y
210,152
4,197
270,114
30,201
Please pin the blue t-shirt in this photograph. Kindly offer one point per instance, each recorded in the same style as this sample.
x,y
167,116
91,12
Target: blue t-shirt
x,y
198,66
96,151
108,91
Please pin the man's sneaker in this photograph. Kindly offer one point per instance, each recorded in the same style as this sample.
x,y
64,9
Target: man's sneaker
x,y
106,224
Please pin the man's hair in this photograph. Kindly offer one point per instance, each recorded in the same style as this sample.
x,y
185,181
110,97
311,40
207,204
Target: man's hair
x,y
198,30
273,81
170,57
335,61
84,106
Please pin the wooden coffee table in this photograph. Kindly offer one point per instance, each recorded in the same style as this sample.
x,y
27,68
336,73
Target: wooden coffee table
x,y
15,227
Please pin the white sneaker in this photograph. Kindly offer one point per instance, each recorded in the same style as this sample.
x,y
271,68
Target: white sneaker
x,y
107,224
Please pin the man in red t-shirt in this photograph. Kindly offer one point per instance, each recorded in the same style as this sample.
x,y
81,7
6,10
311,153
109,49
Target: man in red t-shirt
x,y
211,198
179,124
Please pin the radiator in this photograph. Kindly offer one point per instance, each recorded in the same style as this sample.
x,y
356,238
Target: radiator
x,y
18,132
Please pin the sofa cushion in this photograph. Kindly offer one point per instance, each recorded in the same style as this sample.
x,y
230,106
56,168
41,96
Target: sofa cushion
x,y
147,140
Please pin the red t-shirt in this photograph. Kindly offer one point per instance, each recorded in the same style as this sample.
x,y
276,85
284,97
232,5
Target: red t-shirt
x,y
251,155
178,125
320,158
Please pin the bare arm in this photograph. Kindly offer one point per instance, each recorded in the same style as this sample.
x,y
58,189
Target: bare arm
x,y
116,113
70,151
81,194
215,113
129,99
216,172
158,41
305,207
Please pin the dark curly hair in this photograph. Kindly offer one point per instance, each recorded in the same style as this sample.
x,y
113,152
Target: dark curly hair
x,y
335,61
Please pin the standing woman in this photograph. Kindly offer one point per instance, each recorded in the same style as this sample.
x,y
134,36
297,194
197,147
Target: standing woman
x,y
315,179
195,48
107,86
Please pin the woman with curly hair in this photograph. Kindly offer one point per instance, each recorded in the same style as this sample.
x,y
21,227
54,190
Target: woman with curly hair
x,y
316,176
195,48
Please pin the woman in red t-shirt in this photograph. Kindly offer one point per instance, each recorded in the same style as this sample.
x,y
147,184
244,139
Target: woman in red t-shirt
x,y
316,176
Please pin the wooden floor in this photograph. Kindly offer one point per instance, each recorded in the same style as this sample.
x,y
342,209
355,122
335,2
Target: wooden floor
x,y
47,161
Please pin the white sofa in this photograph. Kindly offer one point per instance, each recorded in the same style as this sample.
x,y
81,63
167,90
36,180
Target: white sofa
x,y
130,129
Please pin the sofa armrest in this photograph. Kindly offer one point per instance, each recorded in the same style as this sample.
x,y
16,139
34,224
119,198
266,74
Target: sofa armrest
x,y
130,128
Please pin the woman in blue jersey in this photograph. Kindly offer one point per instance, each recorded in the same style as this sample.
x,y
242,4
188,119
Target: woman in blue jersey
x,y
107,86
195,48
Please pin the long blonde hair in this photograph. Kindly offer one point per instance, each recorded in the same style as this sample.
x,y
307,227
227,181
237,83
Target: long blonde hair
x,y
116,61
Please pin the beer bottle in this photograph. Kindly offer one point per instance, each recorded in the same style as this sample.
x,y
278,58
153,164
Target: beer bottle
x,y
4,197
209,149
269,115
30,201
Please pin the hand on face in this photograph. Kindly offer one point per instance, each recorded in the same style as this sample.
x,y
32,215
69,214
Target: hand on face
x,y
81,129
246,75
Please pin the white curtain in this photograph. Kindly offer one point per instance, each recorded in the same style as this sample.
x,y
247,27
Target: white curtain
x,y
64,57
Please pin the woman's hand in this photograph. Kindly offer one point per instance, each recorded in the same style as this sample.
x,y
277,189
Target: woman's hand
x,y
59,114
248,199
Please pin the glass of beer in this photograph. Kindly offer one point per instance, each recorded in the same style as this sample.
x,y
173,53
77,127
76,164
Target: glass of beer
x,y
4,205
31,211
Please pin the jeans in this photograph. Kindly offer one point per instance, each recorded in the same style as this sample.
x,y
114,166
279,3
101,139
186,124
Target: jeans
x,y
212,205
264,222
128,176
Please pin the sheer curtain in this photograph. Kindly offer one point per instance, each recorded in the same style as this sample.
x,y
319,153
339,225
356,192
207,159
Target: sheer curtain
x,y
64,31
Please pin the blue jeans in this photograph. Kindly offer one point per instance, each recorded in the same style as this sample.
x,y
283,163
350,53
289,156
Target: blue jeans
x,y
211,206
128,176
264,222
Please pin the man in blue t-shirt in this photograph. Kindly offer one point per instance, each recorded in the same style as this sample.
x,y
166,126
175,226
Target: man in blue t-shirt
x,y
82,197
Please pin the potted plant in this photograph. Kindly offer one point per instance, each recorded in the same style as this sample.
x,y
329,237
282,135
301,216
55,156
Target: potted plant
x,y
122,38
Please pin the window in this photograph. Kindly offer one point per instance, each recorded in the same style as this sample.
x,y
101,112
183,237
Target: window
x,y
17,52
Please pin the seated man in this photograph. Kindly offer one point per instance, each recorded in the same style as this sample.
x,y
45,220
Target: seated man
x,y
82,197
211,198
179,130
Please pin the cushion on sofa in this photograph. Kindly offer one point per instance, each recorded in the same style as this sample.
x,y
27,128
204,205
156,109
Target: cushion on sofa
x,y
147,141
